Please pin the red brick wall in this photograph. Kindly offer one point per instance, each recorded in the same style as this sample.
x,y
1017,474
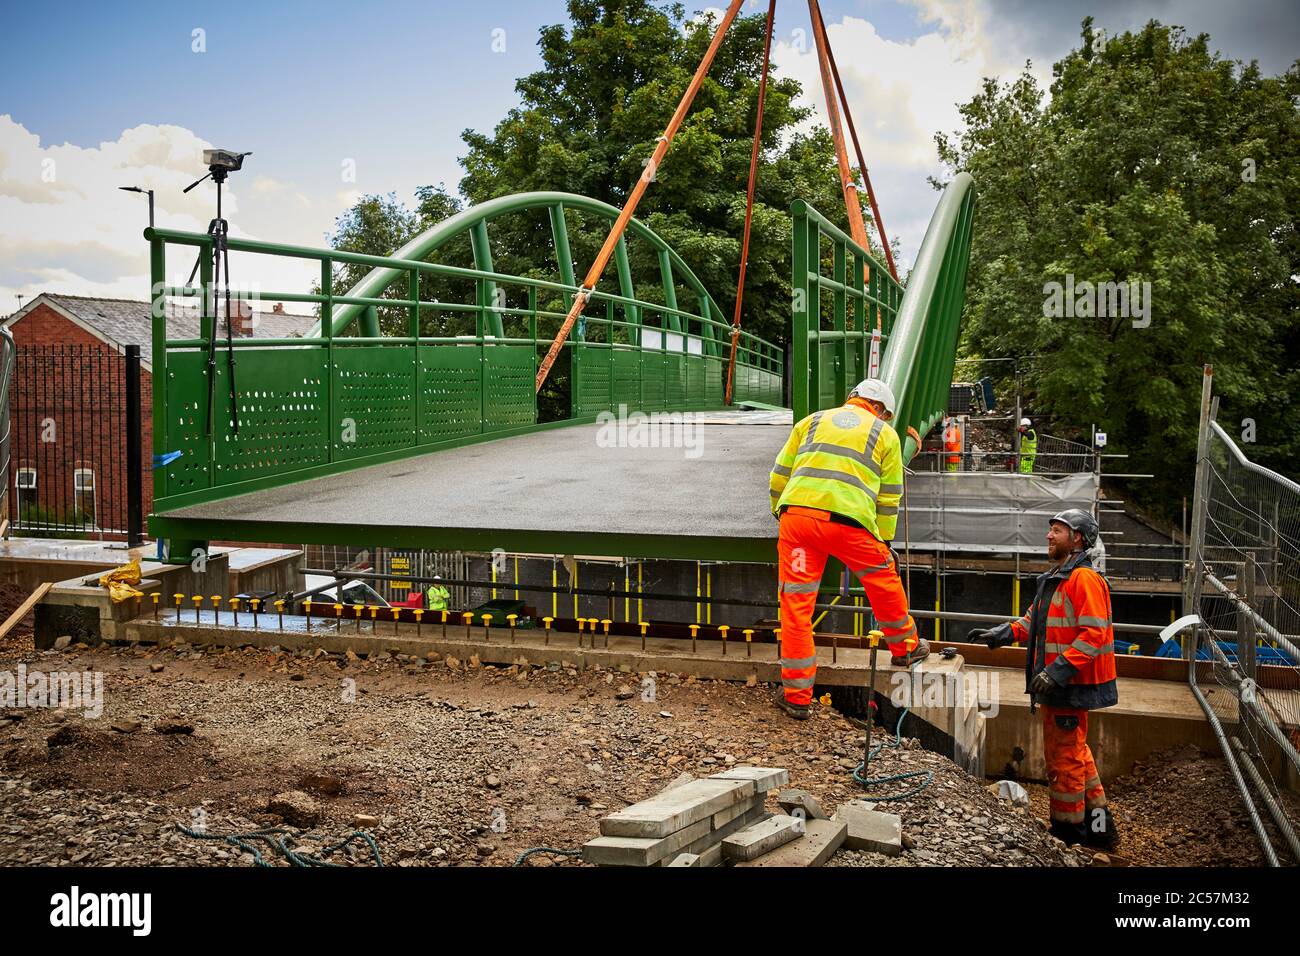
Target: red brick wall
x,y
88,415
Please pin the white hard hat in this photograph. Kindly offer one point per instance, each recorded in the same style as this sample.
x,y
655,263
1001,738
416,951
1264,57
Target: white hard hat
x,y
874,390
1025,423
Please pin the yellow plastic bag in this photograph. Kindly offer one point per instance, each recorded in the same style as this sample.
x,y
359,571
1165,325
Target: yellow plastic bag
x,y
119,581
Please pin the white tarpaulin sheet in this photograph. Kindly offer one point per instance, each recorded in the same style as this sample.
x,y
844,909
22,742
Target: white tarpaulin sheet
x,y
988,511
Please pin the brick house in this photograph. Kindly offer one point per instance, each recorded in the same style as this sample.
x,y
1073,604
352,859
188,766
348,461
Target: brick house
x,y
67,401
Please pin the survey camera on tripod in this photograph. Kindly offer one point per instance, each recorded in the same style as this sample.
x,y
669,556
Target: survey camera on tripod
x,y
220,163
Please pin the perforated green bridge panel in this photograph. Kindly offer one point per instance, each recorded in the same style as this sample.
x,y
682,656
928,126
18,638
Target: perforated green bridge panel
x,y
185,424
606,378
350,394
374,400
283,414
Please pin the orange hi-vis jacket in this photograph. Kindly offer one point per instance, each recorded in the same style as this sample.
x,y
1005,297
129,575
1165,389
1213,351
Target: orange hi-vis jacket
x,y
1068,628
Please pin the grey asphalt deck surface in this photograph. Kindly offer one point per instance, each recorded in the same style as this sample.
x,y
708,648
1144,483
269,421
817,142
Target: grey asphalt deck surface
x,y
572,480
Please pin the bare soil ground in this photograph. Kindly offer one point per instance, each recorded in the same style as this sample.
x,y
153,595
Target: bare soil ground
x,y
458,764
19,637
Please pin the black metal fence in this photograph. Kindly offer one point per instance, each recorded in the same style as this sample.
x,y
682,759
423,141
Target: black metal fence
x,y
7,360
76,458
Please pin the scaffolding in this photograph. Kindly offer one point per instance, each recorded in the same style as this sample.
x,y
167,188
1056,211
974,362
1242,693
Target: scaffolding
x,y
1242,598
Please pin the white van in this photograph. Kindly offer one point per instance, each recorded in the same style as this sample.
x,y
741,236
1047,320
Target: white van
x,y
355,591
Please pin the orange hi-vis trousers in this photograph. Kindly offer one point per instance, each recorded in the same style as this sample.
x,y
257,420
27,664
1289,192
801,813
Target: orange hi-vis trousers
x,y
1072,782
807,538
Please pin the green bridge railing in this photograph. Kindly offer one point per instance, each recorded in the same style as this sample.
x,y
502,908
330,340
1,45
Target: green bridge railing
x,y
834,315
330,401
346,396
919,325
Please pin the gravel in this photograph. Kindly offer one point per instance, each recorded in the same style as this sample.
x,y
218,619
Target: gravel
x,y
443,765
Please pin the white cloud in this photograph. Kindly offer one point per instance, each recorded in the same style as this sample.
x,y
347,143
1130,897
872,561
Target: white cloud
x,y
901,92
66,227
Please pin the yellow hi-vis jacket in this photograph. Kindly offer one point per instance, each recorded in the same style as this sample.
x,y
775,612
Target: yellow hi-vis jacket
x,y
844,460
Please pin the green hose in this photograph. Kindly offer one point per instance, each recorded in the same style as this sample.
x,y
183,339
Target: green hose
x,y
868,782
278,839
544,849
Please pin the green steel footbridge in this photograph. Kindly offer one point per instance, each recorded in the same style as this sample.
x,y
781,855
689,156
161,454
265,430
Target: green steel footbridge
x,y
368,431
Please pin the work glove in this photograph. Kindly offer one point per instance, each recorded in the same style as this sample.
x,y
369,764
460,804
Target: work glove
x,y
1043,684
994,637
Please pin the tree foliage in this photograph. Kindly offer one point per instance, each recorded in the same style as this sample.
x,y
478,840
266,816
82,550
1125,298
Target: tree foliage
x,y
587,121
1154,160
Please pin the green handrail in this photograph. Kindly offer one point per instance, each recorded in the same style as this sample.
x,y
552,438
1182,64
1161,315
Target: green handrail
x,y
827,362
474,221
303,407
919,324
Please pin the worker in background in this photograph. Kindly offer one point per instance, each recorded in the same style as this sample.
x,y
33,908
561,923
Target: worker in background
x,y
437,596
1069,670
952,445
835,489
1028,446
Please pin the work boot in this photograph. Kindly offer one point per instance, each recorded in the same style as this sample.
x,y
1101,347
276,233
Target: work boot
x,y
918,653
1100,832
797,711
1068,833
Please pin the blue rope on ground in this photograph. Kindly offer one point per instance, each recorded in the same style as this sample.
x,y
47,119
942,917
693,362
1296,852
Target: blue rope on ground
x,y
278,839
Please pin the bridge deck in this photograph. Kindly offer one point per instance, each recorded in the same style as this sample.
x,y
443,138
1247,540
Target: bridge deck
x,y
564,490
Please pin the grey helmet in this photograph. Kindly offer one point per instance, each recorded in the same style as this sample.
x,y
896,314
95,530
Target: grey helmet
x,y
1078,520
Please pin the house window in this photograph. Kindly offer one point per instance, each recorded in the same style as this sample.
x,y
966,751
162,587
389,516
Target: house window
x,y
26,489
83,491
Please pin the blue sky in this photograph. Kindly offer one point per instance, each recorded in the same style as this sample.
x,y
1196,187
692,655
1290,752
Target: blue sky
x,y
94,95
389,84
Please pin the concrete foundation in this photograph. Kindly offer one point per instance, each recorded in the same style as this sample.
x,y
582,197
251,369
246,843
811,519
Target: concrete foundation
x,y
78,607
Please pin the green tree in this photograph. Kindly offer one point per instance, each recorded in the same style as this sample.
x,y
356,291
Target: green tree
x,y
378,225
589,119
1154,161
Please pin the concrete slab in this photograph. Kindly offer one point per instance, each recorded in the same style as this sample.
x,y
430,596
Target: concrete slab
x,y
686,859
711,856
677,781
714,839
764,778
819,842
755,840
631,851
723,817
795,801
666,813
871,829
1151,715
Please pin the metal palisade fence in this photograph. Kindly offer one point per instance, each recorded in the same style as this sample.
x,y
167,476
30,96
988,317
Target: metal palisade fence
x,y
74,443
7,360
1245,589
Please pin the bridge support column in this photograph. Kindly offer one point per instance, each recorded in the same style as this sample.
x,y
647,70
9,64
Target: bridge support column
x,y
182,550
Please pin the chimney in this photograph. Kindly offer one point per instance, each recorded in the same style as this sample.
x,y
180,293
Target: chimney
x,y
241,315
